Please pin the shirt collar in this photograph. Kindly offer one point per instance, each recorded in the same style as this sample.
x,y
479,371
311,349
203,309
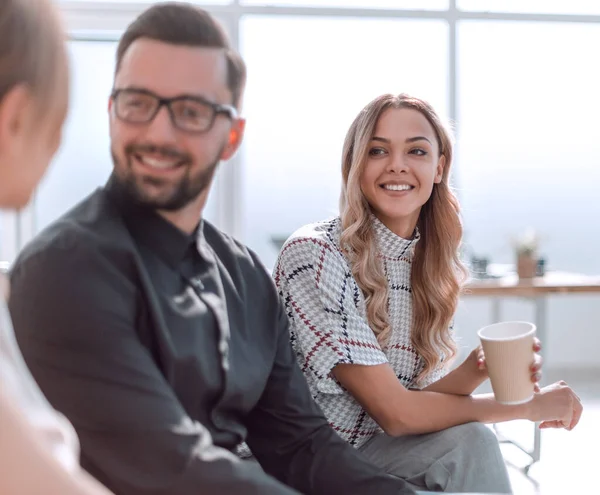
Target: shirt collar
x,y
149,228
391,245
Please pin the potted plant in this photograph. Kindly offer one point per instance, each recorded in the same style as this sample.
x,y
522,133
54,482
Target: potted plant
x,y
526,248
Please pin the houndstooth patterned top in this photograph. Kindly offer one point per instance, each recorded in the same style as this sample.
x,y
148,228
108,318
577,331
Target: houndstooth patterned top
x,y
328,321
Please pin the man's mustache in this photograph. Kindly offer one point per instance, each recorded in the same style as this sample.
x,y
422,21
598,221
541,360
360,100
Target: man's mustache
x,y
165,151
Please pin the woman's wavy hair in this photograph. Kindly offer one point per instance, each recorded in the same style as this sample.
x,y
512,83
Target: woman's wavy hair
x,y
437,272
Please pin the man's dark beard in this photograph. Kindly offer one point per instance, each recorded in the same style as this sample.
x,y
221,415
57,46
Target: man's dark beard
x,y
186,191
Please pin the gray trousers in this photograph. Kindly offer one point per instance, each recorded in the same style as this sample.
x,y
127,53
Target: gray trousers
x,y
464,458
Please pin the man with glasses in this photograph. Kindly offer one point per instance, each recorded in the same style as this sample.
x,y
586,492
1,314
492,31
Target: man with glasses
x,y
161,339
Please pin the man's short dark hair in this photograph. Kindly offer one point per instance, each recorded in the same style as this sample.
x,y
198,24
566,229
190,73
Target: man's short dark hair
x,y
185,24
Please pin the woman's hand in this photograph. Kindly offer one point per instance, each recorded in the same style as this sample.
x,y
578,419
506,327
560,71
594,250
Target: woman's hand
x,y
556,406
535,368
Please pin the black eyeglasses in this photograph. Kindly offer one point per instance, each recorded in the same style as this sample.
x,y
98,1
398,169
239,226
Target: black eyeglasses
x,y
188,113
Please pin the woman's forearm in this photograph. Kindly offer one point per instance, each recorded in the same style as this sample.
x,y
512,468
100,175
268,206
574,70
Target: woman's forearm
x,y
432,411
461,381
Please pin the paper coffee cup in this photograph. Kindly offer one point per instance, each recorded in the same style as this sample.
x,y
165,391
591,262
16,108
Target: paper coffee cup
x,y
508,349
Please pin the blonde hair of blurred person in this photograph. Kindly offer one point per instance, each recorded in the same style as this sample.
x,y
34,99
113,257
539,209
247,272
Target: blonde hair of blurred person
x,y
39,449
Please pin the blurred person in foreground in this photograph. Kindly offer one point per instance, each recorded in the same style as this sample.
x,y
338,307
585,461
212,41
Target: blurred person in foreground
x,y
39,450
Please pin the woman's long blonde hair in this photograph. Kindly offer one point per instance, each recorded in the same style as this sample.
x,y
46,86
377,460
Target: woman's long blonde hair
x,y
437,272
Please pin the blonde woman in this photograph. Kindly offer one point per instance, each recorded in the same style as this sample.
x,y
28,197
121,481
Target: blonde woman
x,y
371,296
39,450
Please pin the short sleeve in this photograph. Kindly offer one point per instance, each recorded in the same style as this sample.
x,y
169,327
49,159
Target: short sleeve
x,y
326,311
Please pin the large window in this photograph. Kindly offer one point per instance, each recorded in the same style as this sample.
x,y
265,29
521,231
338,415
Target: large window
x,y
519,80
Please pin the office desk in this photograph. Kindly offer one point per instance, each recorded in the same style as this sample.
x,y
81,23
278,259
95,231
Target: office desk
x,y
535,290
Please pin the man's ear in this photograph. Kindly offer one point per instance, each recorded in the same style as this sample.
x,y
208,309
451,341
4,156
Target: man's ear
x,y
236,134
15,114
439,172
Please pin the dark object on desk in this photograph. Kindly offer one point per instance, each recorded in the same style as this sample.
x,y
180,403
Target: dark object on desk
x,y
540,269
479,267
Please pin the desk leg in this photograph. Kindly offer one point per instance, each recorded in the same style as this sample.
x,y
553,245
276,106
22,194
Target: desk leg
x,y
542,331
496,310
540,322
